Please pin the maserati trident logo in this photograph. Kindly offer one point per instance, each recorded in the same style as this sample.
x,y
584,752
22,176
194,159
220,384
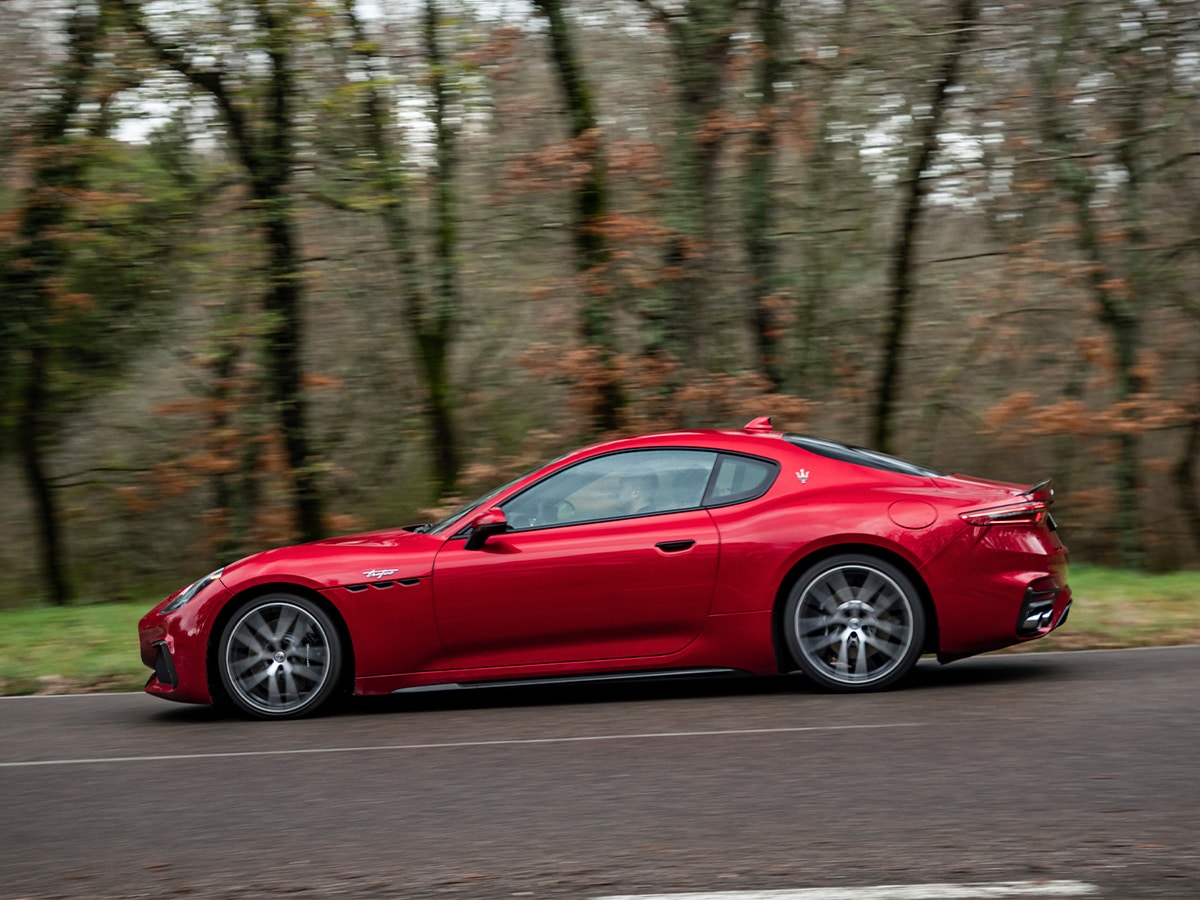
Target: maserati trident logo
x,y
803,476
380,573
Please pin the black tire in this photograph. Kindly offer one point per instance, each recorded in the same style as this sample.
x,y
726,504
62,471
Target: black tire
x,y
279,657
854,623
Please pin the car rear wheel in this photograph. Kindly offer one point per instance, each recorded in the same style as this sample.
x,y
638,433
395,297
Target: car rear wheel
x,y
279,657
854,623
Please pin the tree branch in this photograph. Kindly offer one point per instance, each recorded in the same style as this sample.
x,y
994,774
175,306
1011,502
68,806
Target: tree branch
x,y
207,80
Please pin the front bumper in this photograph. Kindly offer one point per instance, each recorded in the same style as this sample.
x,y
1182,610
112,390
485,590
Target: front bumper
x,y
175,647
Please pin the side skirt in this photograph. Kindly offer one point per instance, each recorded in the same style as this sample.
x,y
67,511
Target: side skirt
x,y
664,674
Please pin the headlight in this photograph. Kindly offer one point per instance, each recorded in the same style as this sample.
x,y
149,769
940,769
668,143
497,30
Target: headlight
x,y
191,591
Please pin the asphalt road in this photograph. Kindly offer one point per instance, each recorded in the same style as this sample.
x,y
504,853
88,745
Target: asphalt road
x,y
1079,768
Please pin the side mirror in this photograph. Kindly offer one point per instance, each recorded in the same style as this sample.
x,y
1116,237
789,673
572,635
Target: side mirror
x,y
486,524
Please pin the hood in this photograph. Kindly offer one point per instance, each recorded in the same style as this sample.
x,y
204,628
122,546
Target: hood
x,y
391,554
385,537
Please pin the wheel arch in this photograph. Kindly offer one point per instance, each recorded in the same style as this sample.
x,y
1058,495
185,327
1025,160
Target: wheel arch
x,y
783,655
238,600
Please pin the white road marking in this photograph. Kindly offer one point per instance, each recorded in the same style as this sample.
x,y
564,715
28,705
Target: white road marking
x,y
86,761
982,891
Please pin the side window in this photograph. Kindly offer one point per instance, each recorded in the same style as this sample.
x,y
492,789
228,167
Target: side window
x,y
741,478
616,486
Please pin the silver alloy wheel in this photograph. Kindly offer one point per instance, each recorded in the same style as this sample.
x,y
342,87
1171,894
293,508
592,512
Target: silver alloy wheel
x,y
279,657
855,623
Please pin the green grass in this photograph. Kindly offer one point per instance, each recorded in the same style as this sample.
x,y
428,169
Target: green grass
x,y
77,648
1114,608
94,648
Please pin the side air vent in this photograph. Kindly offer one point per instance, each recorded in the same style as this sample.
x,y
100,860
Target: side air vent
x,y
383,585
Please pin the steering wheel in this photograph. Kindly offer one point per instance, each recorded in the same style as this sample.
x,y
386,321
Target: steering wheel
x,y
553,512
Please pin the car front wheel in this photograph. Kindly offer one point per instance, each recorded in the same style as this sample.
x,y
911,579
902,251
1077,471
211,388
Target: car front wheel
x,y
854,623
279,657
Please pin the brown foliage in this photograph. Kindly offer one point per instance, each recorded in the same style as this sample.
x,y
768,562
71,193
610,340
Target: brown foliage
x,y
660,394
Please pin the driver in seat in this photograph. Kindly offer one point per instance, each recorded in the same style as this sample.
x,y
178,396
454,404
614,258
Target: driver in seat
x,y
635,493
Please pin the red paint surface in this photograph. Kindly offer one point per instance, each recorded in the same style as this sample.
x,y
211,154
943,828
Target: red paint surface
x,y
597,597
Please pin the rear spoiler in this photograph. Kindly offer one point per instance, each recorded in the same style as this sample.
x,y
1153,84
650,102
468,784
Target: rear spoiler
x,y
1040,491
1032,511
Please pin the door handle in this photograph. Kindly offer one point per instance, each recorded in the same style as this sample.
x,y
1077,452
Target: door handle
x,y
675,546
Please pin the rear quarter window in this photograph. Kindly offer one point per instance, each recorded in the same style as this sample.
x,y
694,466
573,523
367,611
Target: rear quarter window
x,y
740,478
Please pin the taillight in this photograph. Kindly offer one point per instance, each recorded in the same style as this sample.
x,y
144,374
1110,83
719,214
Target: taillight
x,y
1027,512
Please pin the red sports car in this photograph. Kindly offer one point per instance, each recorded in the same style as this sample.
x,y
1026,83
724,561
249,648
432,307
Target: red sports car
x,y
688,553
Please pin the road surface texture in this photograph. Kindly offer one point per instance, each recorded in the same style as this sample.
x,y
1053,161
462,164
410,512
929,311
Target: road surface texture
x,y
1049,775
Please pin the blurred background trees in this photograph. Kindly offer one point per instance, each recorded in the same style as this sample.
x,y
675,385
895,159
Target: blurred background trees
x,y
279,268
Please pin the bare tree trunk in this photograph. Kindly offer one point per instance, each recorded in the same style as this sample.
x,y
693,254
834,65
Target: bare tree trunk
x,y
904,253
700,42
29,284
431,315
285,390
822,191
436,335
1125,328
592,252
760,204
271,176
1116,312
32,440
266,151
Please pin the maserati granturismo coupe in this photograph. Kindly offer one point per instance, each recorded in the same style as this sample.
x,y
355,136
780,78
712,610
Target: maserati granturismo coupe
x,y
680,554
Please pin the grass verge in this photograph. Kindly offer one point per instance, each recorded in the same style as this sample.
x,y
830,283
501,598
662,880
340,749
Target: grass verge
x,y
71,649
1115,608
94,648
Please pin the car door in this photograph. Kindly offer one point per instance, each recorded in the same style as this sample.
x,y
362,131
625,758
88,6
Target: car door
x,y
611,558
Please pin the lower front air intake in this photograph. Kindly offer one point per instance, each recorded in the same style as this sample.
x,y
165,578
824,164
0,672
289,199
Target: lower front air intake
x,y
164,666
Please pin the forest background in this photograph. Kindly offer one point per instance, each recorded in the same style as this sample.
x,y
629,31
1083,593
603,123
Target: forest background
x,y
273,269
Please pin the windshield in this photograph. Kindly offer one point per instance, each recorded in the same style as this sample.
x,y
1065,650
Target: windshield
x,y
459,514
462,512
